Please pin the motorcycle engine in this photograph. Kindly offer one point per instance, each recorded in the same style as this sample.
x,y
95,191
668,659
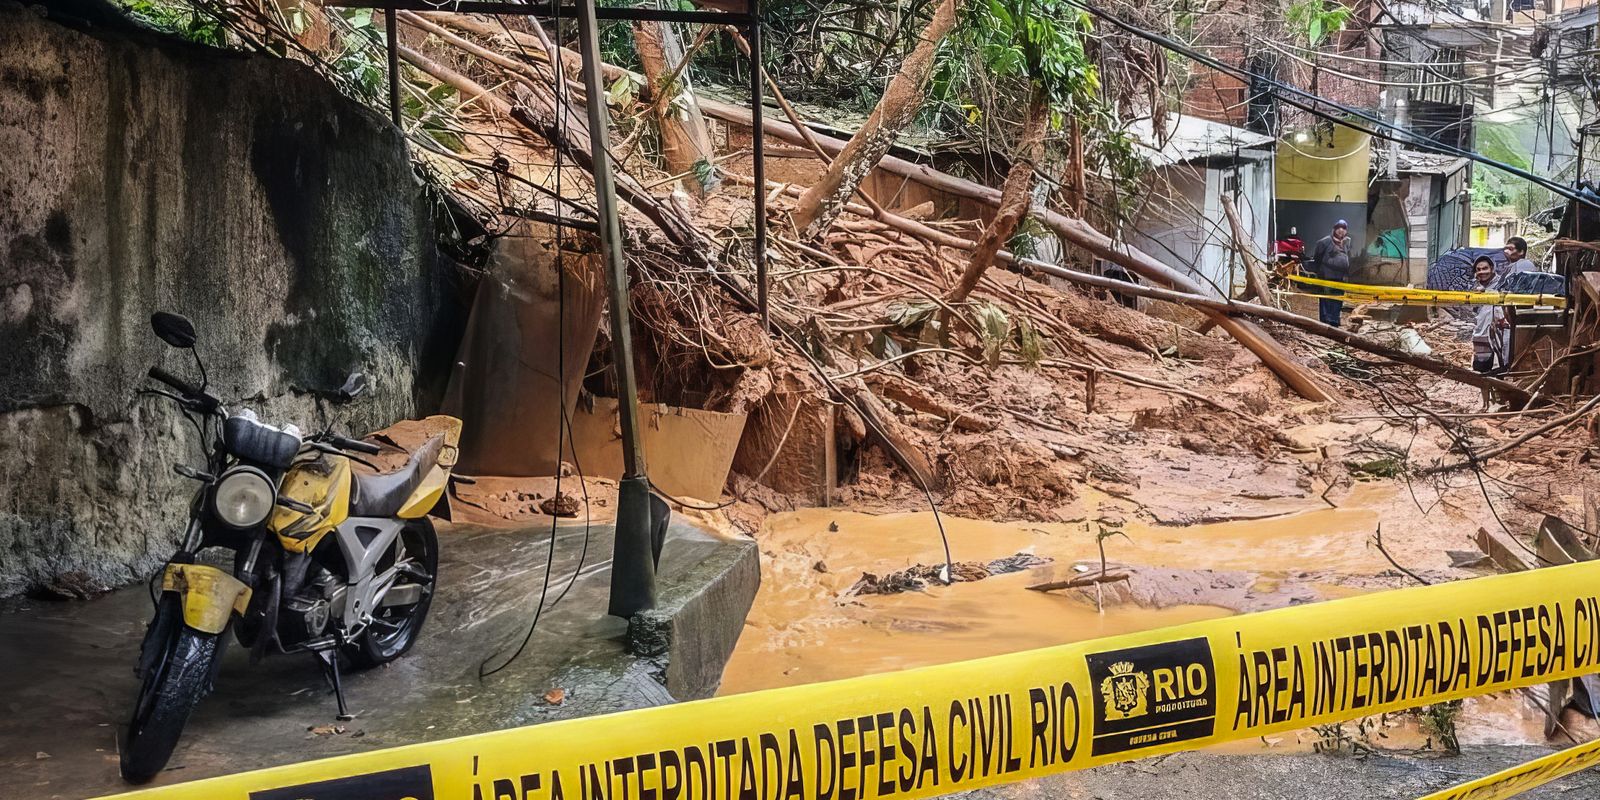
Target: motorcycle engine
x,y
319,602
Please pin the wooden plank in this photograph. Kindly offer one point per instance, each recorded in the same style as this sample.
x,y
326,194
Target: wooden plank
x,y
1558,543
1498,550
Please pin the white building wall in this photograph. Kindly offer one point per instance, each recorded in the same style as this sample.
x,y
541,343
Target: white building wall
x,y
1192,233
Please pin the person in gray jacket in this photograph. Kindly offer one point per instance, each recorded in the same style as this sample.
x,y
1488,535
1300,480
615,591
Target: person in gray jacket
x,y
1516,252
1330,260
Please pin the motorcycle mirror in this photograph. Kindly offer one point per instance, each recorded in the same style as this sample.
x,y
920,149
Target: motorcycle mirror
x,y
353,386
174,329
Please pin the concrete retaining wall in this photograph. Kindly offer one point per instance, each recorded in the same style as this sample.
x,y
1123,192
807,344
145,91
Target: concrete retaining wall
x,y
140,173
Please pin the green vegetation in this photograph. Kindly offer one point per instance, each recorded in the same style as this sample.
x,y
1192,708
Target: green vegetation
x,y
1316,20
177,18
1439,722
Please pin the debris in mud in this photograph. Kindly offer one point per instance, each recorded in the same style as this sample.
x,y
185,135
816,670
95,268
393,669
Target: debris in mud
x,y
555,697
562,505
1467,559
917,576
1086,580
325,730
69,586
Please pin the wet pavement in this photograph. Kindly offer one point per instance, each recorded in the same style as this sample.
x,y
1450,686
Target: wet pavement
x,y
70,664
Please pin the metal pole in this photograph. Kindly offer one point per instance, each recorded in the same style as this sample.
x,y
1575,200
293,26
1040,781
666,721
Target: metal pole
x,y
393,37
759,162
633,587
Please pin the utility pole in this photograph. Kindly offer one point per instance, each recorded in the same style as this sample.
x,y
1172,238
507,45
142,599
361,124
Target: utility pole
x,y
633,566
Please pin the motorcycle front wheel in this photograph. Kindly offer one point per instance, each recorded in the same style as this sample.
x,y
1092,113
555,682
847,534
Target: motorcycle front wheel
x,y
177,665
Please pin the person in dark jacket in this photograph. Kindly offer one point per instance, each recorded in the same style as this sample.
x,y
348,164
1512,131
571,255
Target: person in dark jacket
x,y
1330,260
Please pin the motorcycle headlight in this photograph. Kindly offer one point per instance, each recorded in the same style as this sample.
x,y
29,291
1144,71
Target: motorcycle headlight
x,y
243,498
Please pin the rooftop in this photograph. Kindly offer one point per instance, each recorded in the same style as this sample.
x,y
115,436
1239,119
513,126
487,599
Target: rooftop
x,y
1193,138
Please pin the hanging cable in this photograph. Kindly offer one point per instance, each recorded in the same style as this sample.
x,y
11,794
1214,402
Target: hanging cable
x,y
1375,126
562,428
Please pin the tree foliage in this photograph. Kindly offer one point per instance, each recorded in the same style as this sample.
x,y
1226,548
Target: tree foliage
x,y
1005,51
178,18
1316,20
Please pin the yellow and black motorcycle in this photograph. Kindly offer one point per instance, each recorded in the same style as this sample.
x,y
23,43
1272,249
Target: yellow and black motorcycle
x,y
326,560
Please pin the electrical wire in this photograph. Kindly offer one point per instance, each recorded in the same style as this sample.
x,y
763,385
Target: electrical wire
x,y
1412,138
563,426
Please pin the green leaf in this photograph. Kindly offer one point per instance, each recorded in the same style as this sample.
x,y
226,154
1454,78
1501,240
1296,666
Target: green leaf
x,y
442,92
621,92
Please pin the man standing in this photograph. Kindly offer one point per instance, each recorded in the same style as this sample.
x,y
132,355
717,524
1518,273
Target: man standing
x,y
1516,252
1488,346
1330,259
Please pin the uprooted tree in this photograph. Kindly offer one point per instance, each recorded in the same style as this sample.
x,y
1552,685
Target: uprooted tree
x,y
820,204
1040,46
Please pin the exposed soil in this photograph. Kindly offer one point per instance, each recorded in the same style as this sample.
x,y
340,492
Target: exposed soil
x,y
1274,503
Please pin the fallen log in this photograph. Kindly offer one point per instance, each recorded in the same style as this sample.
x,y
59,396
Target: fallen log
x,y
903,391
1075,231
1221,308
1440,368
1255,282
1079,582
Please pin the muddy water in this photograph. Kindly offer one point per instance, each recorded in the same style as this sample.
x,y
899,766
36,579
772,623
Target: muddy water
x,y
805,627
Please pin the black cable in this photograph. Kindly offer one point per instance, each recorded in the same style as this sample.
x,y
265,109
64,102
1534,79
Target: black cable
x,y
583,553
675,501
561,378
1411,138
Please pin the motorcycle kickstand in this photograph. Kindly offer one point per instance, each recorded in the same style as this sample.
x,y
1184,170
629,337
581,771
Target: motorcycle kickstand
x,y
330,667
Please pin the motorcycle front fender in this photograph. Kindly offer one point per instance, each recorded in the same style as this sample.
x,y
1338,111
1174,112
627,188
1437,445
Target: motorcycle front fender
x,y
208,595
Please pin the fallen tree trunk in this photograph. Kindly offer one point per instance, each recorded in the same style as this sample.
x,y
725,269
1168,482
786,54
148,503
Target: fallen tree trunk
x,y
1015,198
899,105
1078,233
1340,335
1255,282
685,143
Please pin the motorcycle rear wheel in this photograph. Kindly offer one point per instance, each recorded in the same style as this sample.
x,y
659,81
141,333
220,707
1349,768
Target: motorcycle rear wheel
x,y
179,664
395,628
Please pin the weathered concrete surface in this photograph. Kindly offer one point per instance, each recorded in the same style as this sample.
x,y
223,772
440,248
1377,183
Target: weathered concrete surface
x,y
695,630
71,664
140,173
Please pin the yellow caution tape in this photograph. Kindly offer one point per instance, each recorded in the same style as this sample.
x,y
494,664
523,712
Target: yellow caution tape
x,y
1406,295
1518,779
936,730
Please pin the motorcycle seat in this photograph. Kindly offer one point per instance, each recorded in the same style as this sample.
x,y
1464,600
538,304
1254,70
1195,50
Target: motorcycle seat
x,y
383,495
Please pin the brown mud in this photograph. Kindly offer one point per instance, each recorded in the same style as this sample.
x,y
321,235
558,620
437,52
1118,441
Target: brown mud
x,y
1201,535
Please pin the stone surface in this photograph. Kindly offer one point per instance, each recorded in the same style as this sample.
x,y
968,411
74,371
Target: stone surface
x,y
74,678
143,173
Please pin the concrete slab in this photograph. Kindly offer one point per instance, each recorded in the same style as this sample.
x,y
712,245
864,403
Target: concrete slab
x,y
70,664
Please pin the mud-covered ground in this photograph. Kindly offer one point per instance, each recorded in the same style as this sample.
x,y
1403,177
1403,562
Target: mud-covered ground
x,y
1248,501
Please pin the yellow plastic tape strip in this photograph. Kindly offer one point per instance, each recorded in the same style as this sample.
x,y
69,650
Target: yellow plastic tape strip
x,y
1516,780
936,730
1407,295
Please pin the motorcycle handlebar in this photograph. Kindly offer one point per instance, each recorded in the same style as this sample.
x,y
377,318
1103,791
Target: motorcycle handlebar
x,y
174,381
355,445
193,397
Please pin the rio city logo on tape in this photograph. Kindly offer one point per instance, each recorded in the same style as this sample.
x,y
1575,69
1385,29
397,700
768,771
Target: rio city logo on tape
x,y
1153,694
